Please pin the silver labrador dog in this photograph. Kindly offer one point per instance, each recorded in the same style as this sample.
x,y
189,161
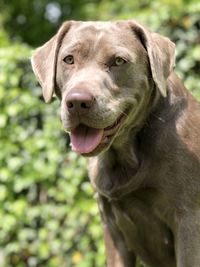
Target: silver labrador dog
x,y
126,109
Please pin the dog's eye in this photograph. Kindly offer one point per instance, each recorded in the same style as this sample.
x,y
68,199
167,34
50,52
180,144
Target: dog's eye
x,y
69,59
119,61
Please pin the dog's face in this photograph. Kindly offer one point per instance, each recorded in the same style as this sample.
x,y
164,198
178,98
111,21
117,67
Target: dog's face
x,y
104,74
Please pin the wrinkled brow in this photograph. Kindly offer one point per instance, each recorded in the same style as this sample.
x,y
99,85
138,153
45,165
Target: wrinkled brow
x,y
75,46
111,49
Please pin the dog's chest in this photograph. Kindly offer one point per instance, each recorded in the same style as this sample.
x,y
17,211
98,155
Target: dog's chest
x,y
140,221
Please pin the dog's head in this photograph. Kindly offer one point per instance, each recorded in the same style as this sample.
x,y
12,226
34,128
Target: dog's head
x,y
105,74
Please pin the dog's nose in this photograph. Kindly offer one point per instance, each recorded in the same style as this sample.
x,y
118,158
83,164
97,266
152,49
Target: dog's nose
x,y
79,102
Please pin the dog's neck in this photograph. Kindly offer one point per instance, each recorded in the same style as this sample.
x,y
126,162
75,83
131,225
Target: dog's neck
x,y
115,168
120,170
112,171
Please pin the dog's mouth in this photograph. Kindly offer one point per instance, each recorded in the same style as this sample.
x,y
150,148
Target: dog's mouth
x,y
86,140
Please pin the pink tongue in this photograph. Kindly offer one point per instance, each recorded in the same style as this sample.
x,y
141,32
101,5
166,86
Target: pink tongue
x,y
85,139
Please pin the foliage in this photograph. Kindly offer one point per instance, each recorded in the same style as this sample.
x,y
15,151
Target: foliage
x,y
49,14
48,215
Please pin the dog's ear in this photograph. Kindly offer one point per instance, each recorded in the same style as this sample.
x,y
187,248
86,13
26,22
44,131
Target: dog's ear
x,y
161,53
44,61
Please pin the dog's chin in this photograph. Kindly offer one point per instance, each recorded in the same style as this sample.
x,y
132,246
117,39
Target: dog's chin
x,y
90,142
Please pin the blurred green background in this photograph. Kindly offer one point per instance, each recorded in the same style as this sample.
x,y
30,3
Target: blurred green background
x,y
48,213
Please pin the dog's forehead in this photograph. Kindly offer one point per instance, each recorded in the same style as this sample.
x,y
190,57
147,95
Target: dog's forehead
x,y
95,27
95,31
99,35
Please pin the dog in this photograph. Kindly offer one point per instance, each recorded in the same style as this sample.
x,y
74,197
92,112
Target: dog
x,y
125,108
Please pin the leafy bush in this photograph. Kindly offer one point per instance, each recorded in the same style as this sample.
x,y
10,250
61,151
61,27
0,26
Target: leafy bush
x,y
47,209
